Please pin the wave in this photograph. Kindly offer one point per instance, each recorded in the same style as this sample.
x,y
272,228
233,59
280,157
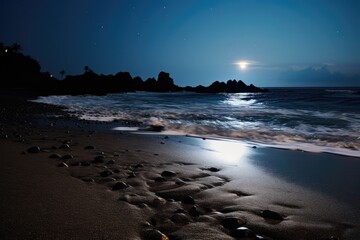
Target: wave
x,y
340,91
292,119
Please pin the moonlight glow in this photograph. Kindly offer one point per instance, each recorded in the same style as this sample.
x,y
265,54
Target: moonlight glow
x,y
243,65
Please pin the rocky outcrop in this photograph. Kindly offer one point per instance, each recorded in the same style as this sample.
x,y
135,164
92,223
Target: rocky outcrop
x,y
231,86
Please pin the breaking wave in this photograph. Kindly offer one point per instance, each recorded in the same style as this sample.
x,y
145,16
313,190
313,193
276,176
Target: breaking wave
x,y
321,120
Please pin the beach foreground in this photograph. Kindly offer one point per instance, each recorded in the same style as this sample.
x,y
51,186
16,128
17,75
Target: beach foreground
x,y
84,183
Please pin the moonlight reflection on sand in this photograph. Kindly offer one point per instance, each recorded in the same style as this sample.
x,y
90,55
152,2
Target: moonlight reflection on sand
x,y
228,152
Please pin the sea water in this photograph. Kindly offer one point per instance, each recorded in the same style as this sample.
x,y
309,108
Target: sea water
x,y
311,119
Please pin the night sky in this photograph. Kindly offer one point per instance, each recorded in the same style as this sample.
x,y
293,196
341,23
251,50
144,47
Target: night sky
x,y
267,43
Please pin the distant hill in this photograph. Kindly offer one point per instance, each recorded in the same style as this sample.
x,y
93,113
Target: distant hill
x,y
20,71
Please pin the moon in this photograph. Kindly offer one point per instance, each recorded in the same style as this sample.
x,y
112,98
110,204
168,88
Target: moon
x,y
243,65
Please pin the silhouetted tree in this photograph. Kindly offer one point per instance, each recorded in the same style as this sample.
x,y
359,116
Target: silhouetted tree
x,y
87,69
62,73
15,47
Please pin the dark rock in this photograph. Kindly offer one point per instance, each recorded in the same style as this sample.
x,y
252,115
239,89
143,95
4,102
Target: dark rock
x,y
120,185
213,169
67,156
34,149
131,175
66,142
110,162
180,218
157,202
87,179
105,173
154,235
168,173
116,170
55,156
242,232
268,214
139,165
89,147
98,159
232,222
194,211
232,86
84,164
160,179
64,146
179,210
62,164
156,128
188,200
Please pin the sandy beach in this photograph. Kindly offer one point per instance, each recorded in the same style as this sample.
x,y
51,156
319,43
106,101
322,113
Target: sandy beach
x,y
62,178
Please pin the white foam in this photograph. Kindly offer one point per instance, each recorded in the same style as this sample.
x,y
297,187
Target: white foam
x,y
126,129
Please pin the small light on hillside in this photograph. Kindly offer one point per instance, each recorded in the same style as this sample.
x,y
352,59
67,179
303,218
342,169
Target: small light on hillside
x,y
6,50
51,75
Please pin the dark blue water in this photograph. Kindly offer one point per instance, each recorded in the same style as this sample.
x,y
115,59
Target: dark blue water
x,y
315,119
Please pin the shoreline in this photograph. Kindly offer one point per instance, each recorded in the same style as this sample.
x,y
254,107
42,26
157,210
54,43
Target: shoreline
x,y
226,179
343,143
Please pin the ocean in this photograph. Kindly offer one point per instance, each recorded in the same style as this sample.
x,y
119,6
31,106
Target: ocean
x,y
309,119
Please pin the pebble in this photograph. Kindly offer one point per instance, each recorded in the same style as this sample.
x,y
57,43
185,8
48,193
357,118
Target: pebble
x,y
120,185
110,162
64,146
180,218
213,169
34,149
159,201
139,165
98,159
55,156
66,142
160,179
67,156
188,200
131,175
154,235
89,147
87,179
168,173
194,211
268,214
242,232
232,222
116,170
62,164
105,173
84,163
179,210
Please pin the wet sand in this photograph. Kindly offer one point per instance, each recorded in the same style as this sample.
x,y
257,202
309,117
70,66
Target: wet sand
x,y
86,183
